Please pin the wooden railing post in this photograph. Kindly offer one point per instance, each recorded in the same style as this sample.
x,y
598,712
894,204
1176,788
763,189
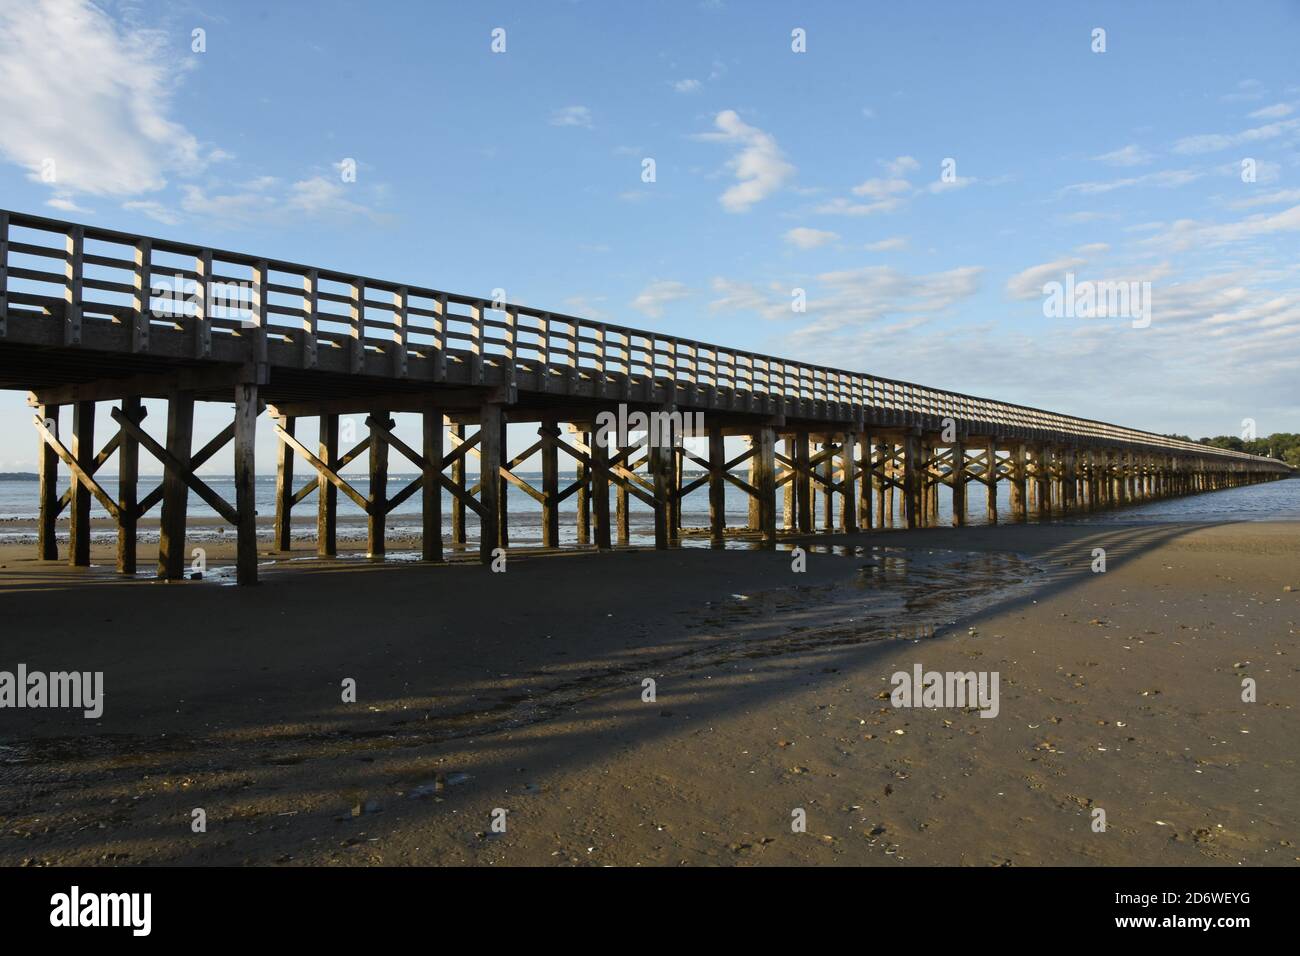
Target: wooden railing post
x,y
74,272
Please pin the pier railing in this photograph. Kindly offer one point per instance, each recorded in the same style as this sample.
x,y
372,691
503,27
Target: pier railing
x,y
80,275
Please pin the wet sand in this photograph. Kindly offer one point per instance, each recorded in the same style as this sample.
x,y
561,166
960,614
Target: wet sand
x,y
523,691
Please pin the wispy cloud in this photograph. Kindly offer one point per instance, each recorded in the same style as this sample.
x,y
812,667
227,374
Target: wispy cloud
x,y
572,116
1131,155
657,294
805,238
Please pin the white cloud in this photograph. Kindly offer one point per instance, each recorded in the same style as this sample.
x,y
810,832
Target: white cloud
x,y
1029,283
843,207
94,99
882,188
687,86
657,294
168,215
1131,155
892,244
259,202
1213,142
572,116
1166,179
902,165
759,165
1275,198
1276,111
1191,234
805,238
841,304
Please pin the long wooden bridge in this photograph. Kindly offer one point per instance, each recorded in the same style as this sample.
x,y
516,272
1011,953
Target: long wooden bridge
x,y
91,315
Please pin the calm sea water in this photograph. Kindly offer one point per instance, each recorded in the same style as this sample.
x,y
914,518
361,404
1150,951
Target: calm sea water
x,y
1266,502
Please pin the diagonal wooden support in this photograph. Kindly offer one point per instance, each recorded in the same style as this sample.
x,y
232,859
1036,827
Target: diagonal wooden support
x,y
324,470
184,471
78,468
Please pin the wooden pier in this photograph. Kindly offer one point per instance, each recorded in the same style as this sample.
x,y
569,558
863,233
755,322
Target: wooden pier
x,y
91,316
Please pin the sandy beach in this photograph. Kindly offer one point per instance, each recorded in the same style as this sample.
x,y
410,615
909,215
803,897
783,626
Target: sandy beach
x,y
523,692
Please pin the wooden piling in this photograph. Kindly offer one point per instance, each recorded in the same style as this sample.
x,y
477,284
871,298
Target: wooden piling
x,y
600,489
171,532
246,411
83,450
913,481
326,491
991,481
431,486
958,478
47,463
489,460
128,474
584,481
284,488
1019,482
849,503
765,481
717,486
802,484
458,479
549,432
376,518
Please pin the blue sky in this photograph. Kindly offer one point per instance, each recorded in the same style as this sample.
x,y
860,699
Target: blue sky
x,y
775,170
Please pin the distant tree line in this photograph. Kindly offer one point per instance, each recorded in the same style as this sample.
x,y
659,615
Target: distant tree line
x,y
1283,445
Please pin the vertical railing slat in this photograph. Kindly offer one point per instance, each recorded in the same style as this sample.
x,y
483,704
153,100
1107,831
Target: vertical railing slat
x,y
203,307
310,318
74,267
142,299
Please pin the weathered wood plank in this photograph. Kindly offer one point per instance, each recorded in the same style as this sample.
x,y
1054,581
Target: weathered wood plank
x,y
246,409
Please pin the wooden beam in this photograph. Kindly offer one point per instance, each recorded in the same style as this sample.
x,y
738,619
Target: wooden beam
x,y
76,467
284,497
717,486
327,493
583,474
431,501
83,451
765,481
913,505
991,480
128,473
803,487
47,546
377,514
208,380
600,490
957,475
176,462
849,484
660,463
549,432
182,466
458,480
490,420
246,409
